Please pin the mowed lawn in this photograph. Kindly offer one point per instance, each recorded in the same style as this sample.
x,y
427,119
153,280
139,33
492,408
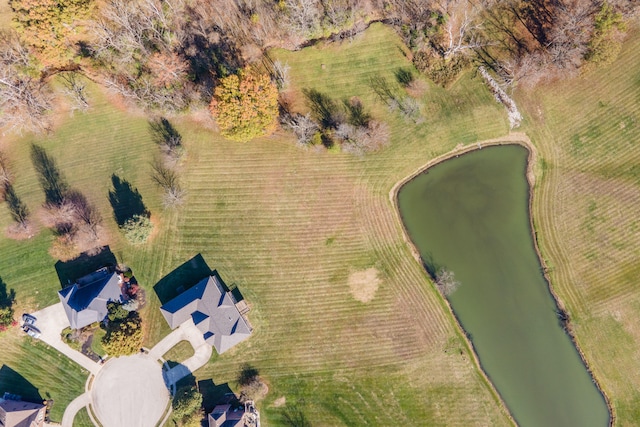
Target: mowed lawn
x,y
288,226
586,211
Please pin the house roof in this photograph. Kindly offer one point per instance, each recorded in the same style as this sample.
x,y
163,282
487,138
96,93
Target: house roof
x,y
86,300
213,311
223,416
16,413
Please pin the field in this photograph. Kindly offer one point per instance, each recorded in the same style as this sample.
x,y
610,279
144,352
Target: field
x,y
290,226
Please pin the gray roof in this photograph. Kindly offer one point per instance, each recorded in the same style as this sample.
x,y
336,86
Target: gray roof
x,y
86,300
223,416
212,310
16,413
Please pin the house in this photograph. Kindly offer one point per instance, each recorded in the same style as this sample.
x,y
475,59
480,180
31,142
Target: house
x,y
16,413
213,310
225,416
86,300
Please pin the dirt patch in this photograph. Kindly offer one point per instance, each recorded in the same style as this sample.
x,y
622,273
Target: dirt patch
x,y
281,401
364,284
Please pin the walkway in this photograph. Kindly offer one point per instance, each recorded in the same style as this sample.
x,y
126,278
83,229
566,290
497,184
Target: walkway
x,y
51,321
73,408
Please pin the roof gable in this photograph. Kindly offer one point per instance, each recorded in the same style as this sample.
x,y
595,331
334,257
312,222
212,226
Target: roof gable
x,y
86,300
213,311
17,413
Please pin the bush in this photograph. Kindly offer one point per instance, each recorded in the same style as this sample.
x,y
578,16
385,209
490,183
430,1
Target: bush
x,y
137,229
186,402
123,338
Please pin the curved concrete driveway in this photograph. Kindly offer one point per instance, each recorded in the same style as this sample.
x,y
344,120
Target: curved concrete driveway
x,y
73,408
51,321
130,391
202,351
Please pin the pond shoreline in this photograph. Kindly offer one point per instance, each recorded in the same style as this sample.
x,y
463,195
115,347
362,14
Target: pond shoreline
x,y
515,138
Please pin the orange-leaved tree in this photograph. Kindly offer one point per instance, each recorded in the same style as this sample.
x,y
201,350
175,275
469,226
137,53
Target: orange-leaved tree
x,y
245,105
50,26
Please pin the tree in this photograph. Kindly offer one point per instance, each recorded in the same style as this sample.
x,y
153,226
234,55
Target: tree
x,y
124,338
49,25
137,229
605,43
446,282
24,99
186,402
245,105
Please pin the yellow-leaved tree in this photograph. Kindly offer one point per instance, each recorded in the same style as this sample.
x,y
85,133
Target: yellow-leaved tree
x,y
245,105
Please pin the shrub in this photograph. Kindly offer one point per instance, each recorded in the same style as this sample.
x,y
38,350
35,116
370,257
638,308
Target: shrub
x,y
446,282
186,402
137,229
124,338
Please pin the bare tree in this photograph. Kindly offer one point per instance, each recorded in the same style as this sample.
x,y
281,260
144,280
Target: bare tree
x,y
24,100
303,127
446,282
74,87
167,178
281,74
461,28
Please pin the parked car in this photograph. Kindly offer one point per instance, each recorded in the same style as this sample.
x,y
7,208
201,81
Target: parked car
x,y
28,319
31,330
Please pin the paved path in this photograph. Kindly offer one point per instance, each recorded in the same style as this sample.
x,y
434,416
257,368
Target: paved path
x,y
72,409
51,321
202,351
130,392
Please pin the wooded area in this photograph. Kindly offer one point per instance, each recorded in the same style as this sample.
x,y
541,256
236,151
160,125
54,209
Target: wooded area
x,y
169,55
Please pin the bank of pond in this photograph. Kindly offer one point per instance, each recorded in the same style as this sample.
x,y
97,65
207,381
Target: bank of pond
x,y
470,215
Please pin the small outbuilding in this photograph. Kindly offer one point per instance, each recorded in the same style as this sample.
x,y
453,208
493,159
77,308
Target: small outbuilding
x,y
213,310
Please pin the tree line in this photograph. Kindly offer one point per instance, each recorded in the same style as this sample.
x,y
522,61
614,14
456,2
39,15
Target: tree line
x,y
168,55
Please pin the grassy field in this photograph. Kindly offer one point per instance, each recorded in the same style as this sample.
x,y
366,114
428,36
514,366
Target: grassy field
x,y
289,226
588,132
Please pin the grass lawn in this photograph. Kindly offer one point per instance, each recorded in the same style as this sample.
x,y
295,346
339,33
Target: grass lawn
x,y
180,352
37,372
82,419
289,226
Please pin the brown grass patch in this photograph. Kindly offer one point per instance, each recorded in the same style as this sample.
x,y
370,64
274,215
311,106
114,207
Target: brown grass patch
x,y
364,284
279,402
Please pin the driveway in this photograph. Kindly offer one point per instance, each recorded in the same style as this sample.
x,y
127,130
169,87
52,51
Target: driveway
x,y
130,391
73,408
51,321
202,351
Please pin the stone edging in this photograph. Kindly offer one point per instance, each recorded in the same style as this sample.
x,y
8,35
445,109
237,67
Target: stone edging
x,y
514,138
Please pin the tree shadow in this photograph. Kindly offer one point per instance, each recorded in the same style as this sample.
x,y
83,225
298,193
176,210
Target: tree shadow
x,y
404,76
324,109
213,394
430,265
358,116
125,200
51,180
164,134
70,271
247,374
14,383
6,298
182,278
294,416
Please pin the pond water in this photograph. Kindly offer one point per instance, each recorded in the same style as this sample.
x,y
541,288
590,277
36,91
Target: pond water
x,y
470,215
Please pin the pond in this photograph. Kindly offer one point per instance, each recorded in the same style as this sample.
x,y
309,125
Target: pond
x,y
470,215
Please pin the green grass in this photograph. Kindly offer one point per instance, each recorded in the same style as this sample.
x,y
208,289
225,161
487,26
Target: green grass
x,y
96,344
82,419
262,214
37,372
180,352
